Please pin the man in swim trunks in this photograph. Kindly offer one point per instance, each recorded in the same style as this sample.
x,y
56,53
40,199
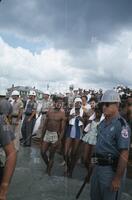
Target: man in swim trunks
x,y
52,134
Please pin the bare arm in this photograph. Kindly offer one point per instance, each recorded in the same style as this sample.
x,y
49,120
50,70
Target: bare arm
x,y
32,115
8,169
122,164
20,114
63,122
45,126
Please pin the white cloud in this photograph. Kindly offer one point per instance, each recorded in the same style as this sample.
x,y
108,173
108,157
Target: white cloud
x,y
105,65
20,66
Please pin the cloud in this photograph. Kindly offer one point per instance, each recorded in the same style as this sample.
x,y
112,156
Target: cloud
x,y
65,23
20,66
104,66
87,43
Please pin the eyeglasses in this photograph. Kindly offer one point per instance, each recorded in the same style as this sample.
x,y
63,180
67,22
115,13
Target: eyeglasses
x,y
107,104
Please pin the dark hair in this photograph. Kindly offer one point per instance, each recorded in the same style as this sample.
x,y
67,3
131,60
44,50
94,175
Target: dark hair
x,y
58,99
84,97
93,99
98,109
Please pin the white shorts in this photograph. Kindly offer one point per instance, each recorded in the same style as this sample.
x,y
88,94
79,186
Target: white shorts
x,y
50,137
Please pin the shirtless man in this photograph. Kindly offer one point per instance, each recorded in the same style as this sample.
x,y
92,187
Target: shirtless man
x,y
53,132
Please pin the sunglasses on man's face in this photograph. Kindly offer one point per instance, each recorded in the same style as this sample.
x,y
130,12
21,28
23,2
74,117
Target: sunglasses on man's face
x,y
107,104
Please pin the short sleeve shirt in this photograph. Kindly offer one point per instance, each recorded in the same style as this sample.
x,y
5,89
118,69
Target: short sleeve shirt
x,y
30,107
113,137
17,106
6,135
5,107
46,105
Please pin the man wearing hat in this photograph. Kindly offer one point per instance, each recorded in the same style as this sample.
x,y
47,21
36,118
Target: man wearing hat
x,y
29,119
111,151
16,116
46,105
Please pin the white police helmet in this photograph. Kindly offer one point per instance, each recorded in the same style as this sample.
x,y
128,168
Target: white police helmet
x,y
47,92
110,96
32,93
15,93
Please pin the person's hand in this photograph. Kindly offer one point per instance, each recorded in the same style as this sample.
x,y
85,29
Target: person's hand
x,y
115,184
80,118
16,123
29,120
72,116
57,144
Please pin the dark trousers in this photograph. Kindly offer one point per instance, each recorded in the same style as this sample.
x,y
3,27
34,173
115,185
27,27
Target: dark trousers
x,y
27,129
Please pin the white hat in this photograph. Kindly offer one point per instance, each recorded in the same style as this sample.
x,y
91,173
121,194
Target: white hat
x,y
47,92
32,93
15,93
75,89
78,100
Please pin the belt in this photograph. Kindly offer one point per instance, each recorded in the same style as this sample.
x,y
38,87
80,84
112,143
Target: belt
x,y
28,114
14,116
43,113
105,160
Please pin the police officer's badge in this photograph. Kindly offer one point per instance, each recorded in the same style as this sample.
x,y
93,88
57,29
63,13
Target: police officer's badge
x,y
124,133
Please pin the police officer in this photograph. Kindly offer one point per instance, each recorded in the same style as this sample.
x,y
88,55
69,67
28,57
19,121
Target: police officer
x,y
6,142
111,151
46,105
16,117
29,119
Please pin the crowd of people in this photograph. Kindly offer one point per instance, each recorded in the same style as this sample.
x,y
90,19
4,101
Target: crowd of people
x,y
80,124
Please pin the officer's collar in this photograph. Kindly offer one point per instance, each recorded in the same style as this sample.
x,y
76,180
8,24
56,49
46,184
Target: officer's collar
x,y
113,119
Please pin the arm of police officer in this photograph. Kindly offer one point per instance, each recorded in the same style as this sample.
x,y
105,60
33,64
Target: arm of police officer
x,y
123,143
8,169
32,115
33,112
122,164
21,106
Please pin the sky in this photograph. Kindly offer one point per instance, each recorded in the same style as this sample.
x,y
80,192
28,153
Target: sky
x,y
87,43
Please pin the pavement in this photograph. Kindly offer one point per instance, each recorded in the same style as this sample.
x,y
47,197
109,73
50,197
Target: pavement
x,y
30,182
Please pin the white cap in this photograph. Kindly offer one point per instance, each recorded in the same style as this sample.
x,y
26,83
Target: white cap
x,y
47,92
15,93
78,100
75,89
32,93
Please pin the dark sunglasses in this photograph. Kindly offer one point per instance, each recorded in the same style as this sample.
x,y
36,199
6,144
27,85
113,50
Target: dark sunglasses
x,y
107,104
129,104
